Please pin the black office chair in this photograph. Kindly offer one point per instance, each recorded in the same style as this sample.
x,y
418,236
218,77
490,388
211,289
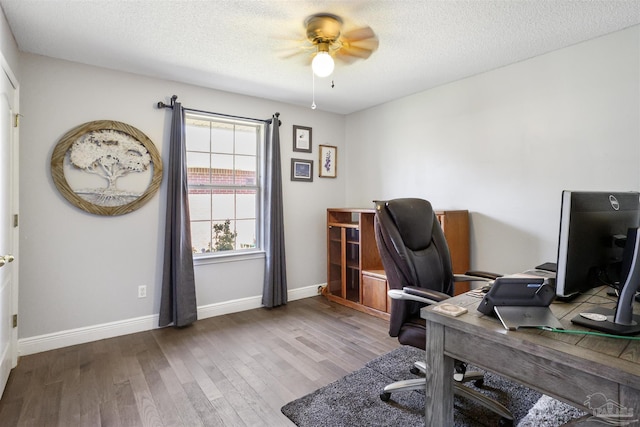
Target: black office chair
x,y
416,260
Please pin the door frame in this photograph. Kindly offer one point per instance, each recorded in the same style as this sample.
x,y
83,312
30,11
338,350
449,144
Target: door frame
x,y
14,201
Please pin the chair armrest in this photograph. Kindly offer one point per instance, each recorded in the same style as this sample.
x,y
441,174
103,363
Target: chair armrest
x,y
476,276
411,293
426,293
466,278
486,274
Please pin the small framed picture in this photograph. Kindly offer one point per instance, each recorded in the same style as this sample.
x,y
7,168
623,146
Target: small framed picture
x,y
301,170
301,139
328,161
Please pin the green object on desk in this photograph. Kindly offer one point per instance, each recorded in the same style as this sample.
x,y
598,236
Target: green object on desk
x,y
598,334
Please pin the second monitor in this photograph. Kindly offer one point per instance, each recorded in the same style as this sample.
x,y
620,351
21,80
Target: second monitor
x,y
599,245
593,231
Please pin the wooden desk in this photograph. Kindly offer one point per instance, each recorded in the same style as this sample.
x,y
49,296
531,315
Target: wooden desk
x,y
565,366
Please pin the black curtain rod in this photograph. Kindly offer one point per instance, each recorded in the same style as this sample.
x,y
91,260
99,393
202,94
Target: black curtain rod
x,y
174,97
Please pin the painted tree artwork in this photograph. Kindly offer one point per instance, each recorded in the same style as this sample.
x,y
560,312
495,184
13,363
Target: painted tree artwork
x,y
106,167
112,155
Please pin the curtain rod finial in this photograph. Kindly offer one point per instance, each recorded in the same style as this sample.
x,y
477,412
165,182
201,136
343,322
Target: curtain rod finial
x,y
277,114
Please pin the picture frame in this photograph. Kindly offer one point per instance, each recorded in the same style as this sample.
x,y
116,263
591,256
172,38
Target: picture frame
x,y
301,170
81,160
328,161
302,139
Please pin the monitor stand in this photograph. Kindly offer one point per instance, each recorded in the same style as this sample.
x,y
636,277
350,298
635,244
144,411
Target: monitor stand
x,y
621,321
608,326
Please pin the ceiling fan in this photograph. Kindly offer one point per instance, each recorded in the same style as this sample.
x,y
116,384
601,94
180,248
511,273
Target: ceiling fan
x,y
326,39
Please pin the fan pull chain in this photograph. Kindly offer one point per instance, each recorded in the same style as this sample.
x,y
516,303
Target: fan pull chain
x,y
313,83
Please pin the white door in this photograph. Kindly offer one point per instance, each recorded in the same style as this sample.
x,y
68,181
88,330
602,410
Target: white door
x,y
8,183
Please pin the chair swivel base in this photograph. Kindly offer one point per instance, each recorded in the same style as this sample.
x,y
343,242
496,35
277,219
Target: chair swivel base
x,y
461,375
459,389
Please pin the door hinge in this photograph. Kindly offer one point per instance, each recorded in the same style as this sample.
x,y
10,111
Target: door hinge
x,y
15,220
15,320
16,120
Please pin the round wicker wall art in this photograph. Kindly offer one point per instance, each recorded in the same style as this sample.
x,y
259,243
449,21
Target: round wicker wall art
x,y
106,167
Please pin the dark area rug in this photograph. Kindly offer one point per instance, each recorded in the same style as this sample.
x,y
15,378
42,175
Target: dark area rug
x,y
354,399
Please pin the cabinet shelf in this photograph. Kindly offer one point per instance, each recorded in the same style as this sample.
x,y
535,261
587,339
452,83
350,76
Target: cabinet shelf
x,y
344,224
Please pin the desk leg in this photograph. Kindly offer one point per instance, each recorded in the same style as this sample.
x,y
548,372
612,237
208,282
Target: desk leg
x,y
439,391
630,402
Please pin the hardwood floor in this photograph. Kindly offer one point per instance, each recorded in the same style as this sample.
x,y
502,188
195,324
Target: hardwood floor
x,y
232,370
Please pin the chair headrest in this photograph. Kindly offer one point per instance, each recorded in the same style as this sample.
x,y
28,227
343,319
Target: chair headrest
x,y
414,220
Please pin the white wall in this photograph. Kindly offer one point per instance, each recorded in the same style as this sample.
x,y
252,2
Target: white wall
x,y
504,144
8,46
80,270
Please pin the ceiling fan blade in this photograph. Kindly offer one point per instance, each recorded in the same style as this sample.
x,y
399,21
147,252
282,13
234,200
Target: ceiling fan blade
x,y
289,53
345,58
355,51
298,48
371,44
358,34
359,44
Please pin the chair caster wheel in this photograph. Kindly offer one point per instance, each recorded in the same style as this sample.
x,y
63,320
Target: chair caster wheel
x,y
385,396
415,371
505,422
479,383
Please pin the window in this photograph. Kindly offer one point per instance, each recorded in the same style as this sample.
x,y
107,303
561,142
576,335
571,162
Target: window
x,y
224,178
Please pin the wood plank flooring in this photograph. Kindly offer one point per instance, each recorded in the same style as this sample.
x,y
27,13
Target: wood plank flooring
x,y
232,370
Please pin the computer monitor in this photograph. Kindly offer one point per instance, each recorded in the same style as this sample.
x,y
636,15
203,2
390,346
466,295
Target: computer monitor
x,y
593,229
598,245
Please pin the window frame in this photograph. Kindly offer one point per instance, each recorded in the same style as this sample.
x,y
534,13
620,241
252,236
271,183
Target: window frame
x,y
236,254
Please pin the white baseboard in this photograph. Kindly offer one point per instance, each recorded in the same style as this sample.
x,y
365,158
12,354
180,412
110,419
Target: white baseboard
x,y
86,334
69,337
306,292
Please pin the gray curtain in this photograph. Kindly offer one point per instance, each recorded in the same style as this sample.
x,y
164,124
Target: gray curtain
x,y
274,292
178,301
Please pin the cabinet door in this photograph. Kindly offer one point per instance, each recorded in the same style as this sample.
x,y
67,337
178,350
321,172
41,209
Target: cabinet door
x,y
343,271
335,256
455,225
374,292
351,290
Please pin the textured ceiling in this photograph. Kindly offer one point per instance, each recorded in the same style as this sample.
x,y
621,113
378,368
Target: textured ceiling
x,y
236,45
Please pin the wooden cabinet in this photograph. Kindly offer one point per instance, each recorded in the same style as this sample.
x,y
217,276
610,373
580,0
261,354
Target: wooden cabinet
x,y
455,225
355,276
351,249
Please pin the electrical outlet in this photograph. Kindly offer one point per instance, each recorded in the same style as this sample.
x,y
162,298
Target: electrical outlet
x,y
142,291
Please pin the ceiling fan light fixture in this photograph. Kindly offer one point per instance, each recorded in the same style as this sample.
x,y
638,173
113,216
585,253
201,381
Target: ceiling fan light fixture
x,y
322,64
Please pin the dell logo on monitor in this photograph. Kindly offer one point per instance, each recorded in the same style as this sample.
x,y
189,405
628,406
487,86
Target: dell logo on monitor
x,y
614,202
